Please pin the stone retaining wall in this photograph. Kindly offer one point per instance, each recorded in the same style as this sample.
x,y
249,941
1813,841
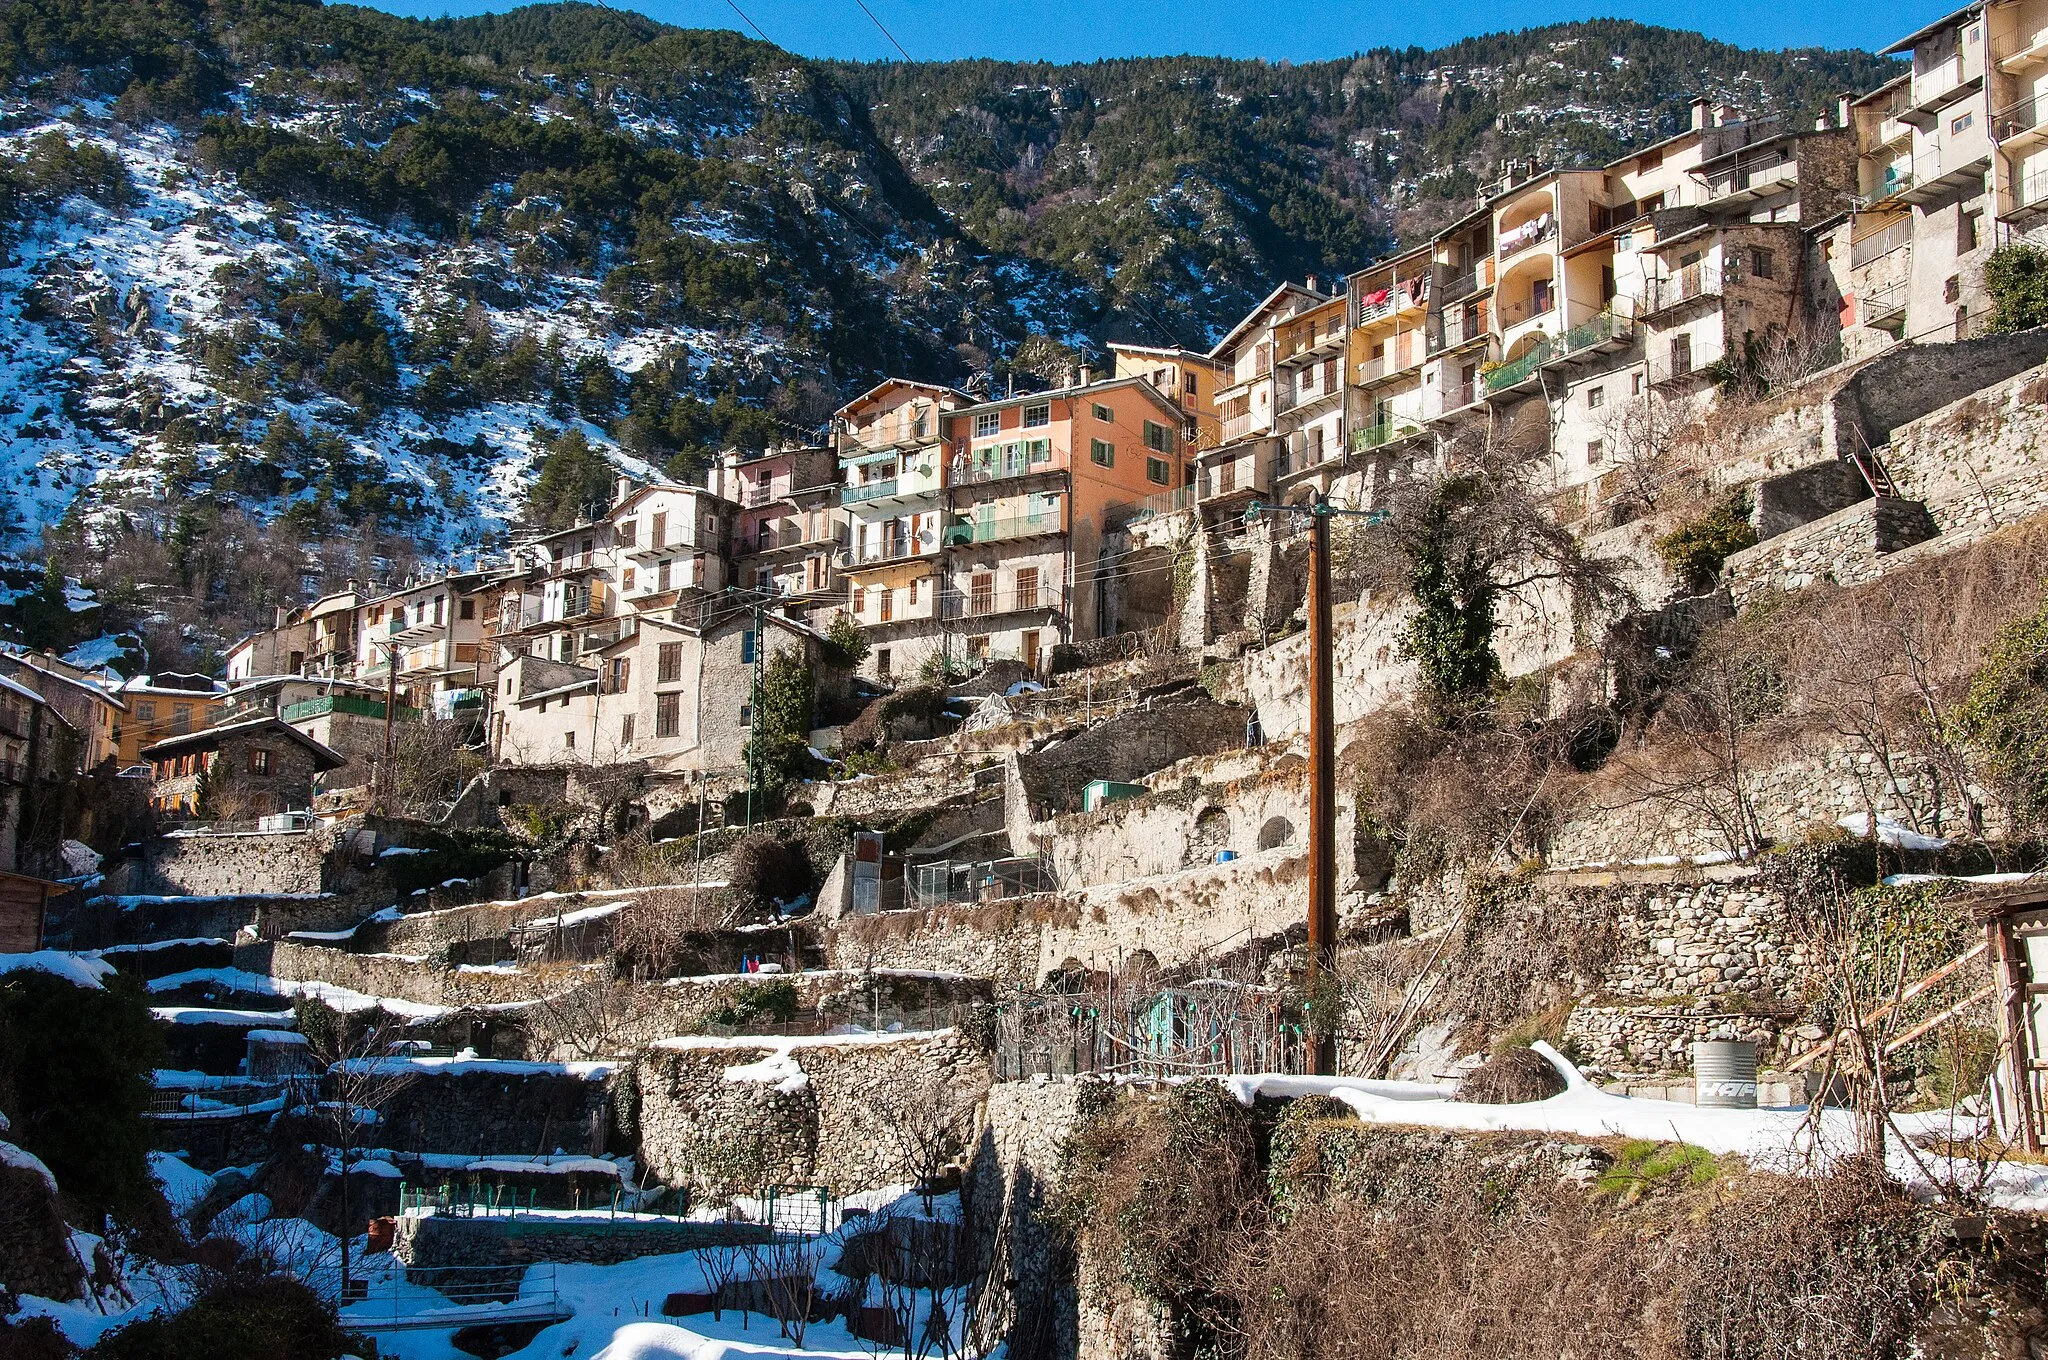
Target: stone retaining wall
x,y
432,1240
1645,1040
797,1110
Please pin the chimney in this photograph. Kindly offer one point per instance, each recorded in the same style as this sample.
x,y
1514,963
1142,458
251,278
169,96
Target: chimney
x,y
1841,111
1312,283
1726,116
622,489
1087,375
1699,114
281,615
1012,388
352,585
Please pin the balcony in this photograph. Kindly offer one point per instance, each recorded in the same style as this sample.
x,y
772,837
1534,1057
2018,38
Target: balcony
x,y
685,542
1896,182
984,604
1865,250
1461,396
1943,170
1162,503
1691,283
2021,125
1941,85
882,554
1381,433
1402,295
1450,330
399,630
2020,52
1531,233
770,540
1246,472
2030,197
1238,427
992,465
1463,283
1308,346
1744,184
974,531
867,491
1292,396
1604,331
1884,307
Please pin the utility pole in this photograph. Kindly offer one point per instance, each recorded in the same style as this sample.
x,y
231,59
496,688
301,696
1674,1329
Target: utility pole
x,y
1322,794
1322,772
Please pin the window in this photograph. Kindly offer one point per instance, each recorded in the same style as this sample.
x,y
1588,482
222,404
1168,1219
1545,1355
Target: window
x,y
669,663
1539,297
882,662
181,717
747,648
1157,472
1635,384
1649,161
630,573
376,613
626,730
913,592
1966,231
885,605
1157,436
657,531
987,423
746,715
1027,588
664,573
569,741
977,648
146,711
1102,452
668,711
1330,375
1595,451
1958,126
857,602
259,761
1762,263
469,609
627,531
622,674
1037,415
1104,414
1188,382
1596,397
1041,450
981,596
1681,355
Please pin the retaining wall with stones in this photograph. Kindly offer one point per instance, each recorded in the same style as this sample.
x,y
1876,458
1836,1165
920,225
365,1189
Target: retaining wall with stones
x,y
424,1241
100,922
239,863
1791,796
1643,1040
481,1108
1018,1163
729,1115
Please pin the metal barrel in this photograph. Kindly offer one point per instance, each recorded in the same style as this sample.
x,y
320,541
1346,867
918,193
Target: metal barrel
x,y
1724,1071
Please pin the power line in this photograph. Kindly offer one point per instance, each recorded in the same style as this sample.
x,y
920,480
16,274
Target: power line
x,y
734,6
878,24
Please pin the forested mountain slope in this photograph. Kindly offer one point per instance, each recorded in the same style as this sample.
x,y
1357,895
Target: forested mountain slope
x,y
287,288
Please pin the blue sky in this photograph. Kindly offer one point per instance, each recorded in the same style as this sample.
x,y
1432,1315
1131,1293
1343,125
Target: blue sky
x,y
1081,30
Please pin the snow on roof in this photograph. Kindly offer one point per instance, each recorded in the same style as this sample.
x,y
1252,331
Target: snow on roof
x,y
210,738
278,1036
116,950
216,1015
76,969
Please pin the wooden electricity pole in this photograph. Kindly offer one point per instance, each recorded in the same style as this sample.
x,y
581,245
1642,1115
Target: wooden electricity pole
x,y
1322,795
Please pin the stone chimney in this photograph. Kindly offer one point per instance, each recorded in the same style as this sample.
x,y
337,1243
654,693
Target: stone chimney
x,y
1699,114
1726,116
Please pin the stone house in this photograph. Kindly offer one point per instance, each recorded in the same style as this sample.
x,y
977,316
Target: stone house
x,y
93,711
37,748
546,714
254,767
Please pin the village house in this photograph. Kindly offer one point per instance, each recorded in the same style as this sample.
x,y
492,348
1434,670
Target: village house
x,y
237,771
92,711
165,704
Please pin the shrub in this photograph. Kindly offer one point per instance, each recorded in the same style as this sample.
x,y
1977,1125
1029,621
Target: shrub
x,y
773,1002
1694,551
242,1318
2005,715
1513,1076
769,871
1645,1167
75,1066
2016,276
845,645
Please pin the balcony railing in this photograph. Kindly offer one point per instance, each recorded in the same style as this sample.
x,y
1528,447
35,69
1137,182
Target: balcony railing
x,y
1398,296
978,604
997,530
2032,191
1162,503
1381,433
797,536
1877,245
1885,305
1589,334
883,553
1237,427
1530,233
2018,119
1457,328
867,491
1691,282
1938,82
1515,313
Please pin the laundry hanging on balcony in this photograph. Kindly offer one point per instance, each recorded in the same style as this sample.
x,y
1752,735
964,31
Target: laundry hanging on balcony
x,y
1530,232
